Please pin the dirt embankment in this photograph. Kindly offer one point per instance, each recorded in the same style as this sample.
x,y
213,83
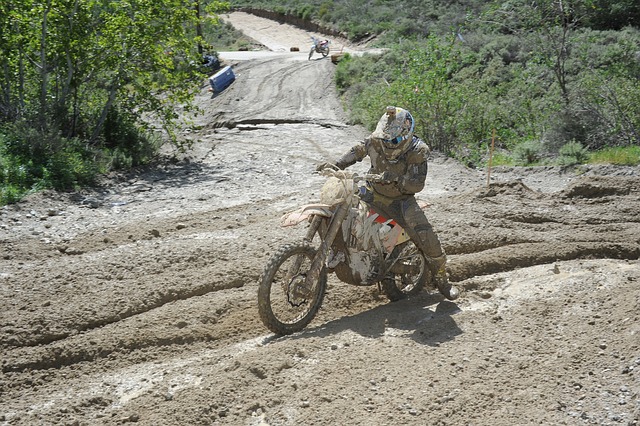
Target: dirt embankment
x,y
294,20
135,302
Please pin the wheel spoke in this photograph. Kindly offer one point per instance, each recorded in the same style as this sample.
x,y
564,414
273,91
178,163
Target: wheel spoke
x,y
287,301
408,275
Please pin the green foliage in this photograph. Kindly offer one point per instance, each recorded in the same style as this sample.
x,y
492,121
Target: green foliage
x,y
360,19
528,70
502,159
612,14
324,10
32,161
13,176
81,81
10,194
128,144
457,95
69,167
528,153
222,36
63,75
420,83
627,156
573,153
611,108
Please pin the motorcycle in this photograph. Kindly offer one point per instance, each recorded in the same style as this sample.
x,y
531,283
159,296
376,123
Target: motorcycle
x,y
319,46
355,243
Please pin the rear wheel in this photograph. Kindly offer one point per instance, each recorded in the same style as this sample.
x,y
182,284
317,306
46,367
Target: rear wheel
x,y
325,52
409,274
286,302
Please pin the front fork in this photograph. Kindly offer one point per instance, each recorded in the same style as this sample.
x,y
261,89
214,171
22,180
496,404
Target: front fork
x,y
311,232
321,255
318,225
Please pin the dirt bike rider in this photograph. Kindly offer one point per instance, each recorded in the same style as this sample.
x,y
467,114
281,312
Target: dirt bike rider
x,y
401,158
317,43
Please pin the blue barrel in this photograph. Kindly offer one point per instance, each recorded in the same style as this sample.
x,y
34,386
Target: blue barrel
x,y
222,79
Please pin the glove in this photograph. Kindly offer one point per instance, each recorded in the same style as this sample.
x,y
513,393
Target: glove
x,y
389,177
323,166
365,194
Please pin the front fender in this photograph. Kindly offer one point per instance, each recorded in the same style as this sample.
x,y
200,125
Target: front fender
x,y
295,217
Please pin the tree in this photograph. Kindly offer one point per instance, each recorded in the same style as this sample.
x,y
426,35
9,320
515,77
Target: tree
x,y
552,22
66,63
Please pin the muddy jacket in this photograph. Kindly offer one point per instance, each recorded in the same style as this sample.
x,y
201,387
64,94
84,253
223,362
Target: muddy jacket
x,y
407,173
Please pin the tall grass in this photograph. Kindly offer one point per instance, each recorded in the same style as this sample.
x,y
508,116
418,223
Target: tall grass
x,y
627,156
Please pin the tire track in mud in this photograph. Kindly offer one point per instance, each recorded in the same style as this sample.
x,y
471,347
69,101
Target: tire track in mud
x,y
275,98
579,222
193,281
184,225
121,268
120,246
479,258
267,83
473,255
114,298
215,318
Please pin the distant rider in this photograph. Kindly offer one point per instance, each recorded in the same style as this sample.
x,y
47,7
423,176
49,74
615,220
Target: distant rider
x,y
401,158
317,44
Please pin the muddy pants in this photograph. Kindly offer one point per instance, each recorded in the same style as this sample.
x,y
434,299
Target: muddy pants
x,y
411,217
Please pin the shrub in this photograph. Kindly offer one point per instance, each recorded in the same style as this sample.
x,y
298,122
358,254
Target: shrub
x,y
502,159
528,153
10,194
126,143
70,166
573,153
31,161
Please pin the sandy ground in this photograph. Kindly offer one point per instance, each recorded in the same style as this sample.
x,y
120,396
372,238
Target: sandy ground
x,y
135,302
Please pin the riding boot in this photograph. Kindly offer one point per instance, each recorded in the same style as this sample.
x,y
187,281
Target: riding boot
x,y
441,280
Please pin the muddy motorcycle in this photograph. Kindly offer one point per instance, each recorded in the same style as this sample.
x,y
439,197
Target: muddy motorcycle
x,y
354,242
319,46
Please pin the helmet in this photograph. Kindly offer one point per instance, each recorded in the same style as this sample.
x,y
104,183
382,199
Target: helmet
x,y
395,130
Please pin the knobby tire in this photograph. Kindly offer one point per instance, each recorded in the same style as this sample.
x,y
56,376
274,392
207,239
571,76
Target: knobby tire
x,y
281,309
399,286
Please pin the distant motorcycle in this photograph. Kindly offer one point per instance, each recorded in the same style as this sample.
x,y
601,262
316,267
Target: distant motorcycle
x,y
210,62
319,46
357,244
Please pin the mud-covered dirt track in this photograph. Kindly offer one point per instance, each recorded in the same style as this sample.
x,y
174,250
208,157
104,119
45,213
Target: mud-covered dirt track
x,y
136,302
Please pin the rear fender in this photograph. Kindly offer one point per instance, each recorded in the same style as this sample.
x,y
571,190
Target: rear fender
x,y
303,213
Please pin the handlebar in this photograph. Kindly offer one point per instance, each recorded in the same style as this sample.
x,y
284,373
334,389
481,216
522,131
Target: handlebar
x,y
343,174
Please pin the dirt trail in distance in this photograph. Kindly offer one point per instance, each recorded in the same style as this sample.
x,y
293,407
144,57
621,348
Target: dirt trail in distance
x,y
135,302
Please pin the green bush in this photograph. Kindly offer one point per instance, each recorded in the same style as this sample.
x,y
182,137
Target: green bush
x,y
32,160
126,143
502,159
528,153
573,153
38,161
223,36
16,175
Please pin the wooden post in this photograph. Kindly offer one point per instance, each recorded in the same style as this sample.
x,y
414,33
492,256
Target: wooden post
x,y
493,140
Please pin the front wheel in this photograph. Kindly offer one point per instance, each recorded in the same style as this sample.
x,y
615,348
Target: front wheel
x,y
286,302
325,52
408,275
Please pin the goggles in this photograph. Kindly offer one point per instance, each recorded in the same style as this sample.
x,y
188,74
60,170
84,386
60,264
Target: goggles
x,y
395,141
